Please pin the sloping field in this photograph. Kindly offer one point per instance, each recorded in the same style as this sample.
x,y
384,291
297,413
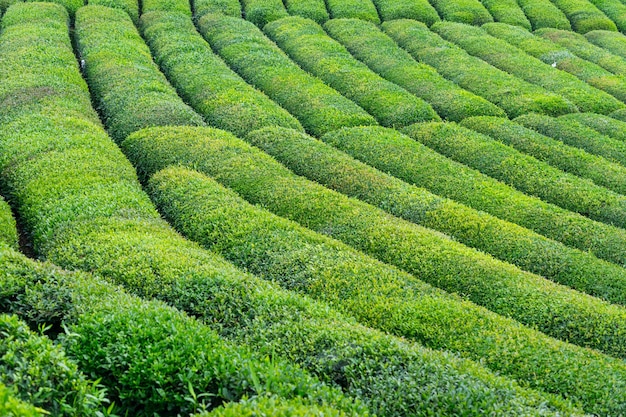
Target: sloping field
x,y
312,208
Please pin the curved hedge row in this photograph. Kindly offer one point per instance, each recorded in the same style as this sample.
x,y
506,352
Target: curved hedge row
x,y
71,185
8,230
149,355
39,373
466,11
604,125
227,7
554,152
522,172
580,46
260,62
511,59
353,9
261,12
311,9
414,163
574,133
323,164
204,81
507,11
584,16
407,9
138,249
378,51
544,14
263,181
613,42
10,406
108,40
512,94
428,255
614,10
307,44
561,58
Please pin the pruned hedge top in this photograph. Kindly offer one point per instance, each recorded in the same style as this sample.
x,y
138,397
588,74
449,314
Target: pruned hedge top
x,y
407,9
544,14
260,62
215,91
307,44
369,44
513,95
8,230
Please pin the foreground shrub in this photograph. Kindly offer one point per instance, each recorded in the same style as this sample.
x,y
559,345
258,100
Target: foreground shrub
x,y
205,81
10,406
511,59
367,43
510,93
561,58
307,43
574,133
580,46
260,62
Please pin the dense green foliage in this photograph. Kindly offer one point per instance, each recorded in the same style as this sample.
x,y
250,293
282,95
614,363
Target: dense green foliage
x,y
614,10
513,60
227,7
307,43
466,11
353,9
311,9
611,41
10,406
129,6
561,58
119,68
271,406
275,248
8,232
522,171
574,133
265,182
39,372
69,182
407,9
260,62
336,170
413,162
513,95
373,47
507,11
205,81
261,12
544,14
149,355
605,125
580,46
427,254
584,16
570,159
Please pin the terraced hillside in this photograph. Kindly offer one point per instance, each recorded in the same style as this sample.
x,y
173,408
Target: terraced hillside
x,y
313,208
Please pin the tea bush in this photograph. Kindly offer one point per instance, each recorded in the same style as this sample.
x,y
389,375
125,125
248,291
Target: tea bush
x,y
604,125
507,11
311,9
544,14
261,12
407,9
353,9
584,16
611,41
467,11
